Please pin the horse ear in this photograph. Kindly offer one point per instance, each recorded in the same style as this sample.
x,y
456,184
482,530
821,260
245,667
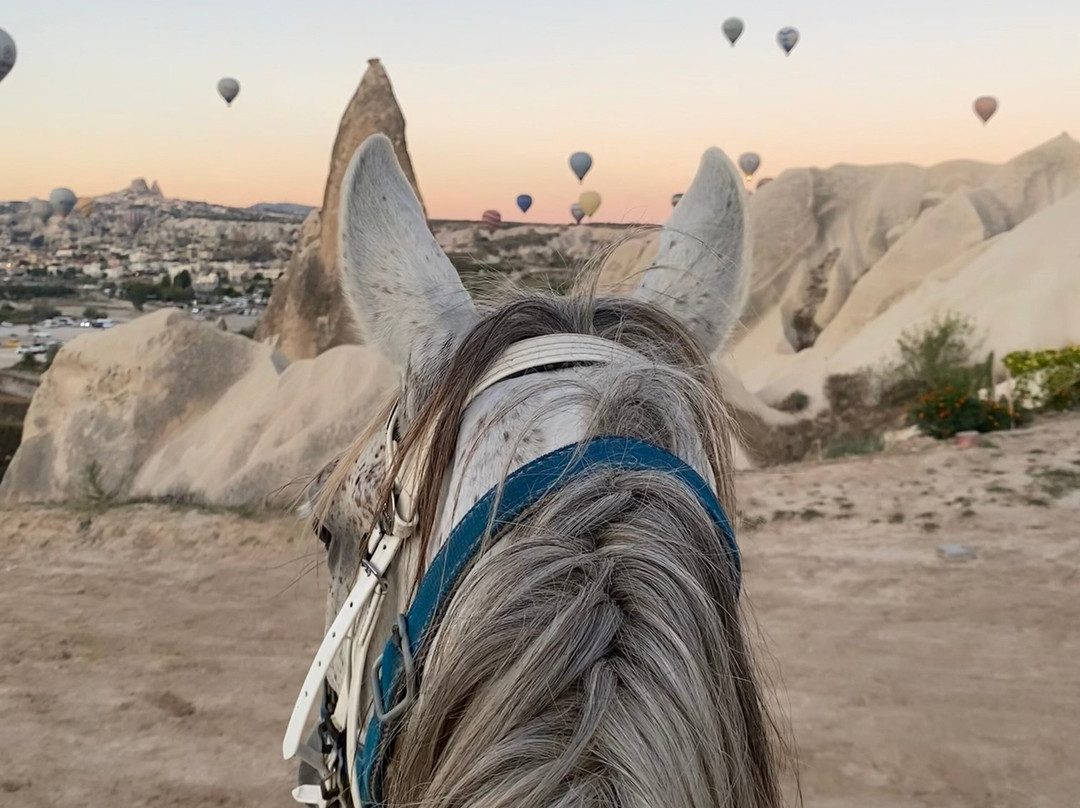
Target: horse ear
x,y
404,292
701,268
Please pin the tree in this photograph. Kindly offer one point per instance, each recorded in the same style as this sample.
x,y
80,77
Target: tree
x,y
90,313
182,279
138,293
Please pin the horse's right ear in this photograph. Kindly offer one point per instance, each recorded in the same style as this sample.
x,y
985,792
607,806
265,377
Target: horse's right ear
x,y
404,292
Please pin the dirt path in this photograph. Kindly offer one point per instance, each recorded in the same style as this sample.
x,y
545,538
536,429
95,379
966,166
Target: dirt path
x,y
150,656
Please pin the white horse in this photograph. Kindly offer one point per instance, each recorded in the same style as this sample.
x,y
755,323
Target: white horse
x,y
562,624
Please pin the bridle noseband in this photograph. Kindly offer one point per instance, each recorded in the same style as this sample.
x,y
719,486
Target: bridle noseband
x,y
351,777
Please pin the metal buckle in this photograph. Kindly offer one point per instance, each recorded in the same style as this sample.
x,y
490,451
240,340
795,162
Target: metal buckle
x,y
399,636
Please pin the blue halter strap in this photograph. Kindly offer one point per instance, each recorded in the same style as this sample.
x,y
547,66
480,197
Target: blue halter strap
x,y
396,671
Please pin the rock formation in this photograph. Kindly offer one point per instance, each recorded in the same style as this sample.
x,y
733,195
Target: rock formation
x,y
306,314
835,249
155,189
139,186
110,400
168,407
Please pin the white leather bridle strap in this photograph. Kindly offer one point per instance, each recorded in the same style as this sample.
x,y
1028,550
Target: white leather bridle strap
x,y
529,354
367,581
553,349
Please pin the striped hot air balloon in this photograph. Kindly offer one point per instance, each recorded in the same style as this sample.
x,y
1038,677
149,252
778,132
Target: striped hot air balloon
x,y
135,219
491,219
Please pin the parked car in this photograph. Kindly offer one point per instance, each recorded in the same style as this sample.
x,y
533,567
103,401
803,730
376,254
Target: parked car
x,y
32,349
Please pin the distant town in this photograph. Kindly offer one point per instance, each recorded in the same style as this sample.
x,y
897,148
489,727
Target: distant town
x,y
114,255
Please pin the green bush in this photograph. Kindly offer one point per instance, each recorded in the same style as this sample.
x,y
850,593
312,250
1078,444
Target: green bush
x,y
943,413
1049,379
937,354
953,393
90,313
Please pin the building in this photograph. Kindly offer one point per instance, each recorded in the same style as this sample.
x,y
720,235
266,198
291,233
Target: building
x,y
205,282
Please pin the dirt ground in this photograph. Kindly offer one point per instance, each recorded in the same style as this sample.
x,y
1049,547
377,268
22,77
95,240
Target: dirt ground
x,y
150,656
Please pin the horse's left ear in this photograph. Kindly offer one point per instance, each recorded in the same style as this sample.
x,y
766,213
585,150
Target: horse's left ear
x,y
404,292
701,270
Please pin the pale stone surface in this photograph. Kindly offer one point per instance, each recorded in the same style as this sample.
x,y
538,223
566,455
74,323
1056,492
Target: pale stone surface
x,y
168,407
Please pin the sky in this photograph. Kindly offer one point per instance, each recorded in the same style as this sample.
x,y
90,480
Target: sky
x,y
497,95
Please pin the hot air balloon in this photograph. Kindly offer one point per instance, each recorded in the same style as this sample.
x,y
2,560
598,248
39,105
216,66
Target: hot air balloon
x,y
788,38
577,212
985,107
749,163
228,89
733,29
7,53
491,219
524,202
62,200
135,219
40,209
763,182
589,201
580,163
675,199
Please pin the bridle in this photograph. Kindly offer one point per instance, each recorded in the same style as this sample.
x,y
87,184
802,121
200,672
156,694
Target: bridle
x,y
352,777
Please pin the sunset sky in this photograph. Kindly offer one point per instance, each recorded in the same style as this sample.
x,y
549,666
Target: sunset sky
x,y
498,94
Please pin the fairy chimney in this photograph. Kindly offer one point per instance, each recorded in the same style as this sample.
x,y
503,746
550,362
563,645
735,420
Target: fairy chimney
x,y
307,313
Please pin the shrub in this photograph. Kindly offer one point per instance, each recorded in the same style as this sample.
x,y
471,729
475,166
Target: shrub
x,y
90,313
847,391
951,392
1048,379
935,354
943,413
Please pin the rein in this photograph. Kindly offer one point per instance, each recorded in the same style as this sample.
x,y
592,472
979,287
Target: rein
x,y
355,777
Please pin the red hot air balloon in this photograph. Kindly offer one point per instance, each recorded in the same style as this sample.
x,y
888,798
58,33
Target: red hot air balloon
x,y
985,106
491,219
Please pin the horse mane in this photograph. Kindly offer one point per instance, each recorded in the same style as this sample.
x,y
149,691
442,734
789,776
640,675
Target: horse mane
x,y
595,654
